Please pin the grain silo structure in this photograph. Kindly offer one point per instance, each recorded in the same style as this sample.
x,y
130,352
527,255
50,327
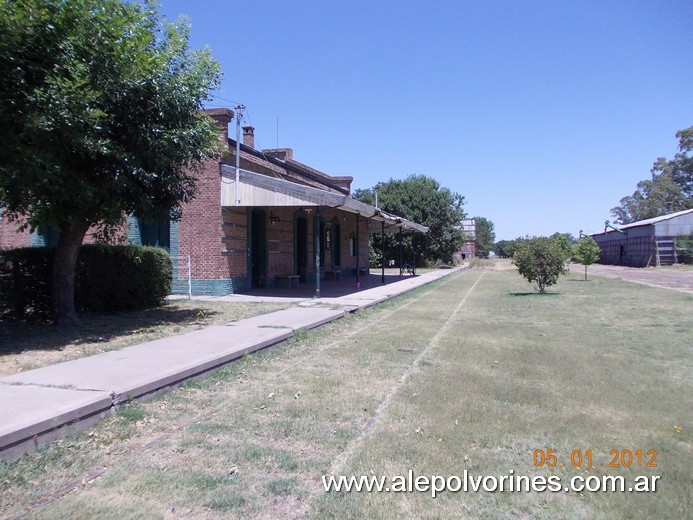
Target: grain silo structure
x,y
469,247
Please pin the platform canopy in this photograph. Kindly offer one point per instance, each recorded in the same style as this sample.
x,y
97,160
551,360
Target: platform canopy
x,y
255,189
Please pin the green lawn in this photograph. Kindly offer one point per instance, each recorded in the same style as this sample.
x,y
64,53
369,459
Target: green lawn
x,y
475,372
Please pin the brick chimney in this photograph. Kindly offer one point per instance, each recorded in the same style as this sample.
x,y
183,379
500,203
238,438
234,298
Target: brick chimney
x,y
223,117
283,154
249,136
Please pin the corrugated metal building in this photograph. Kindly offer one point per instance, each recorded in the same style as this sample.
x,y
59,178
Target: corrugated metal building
x,y
645,243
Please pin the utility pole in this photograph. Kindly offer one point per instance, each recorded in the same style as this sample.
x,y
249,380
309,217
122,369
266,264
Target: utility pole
x,y
239,116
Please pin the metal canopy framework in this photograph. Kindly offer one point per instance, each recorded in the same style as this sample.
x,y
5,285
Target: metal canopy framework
x,y
255,189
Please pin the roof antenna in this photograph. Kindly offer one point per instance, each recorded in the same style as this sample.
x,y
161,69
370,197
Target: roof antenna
x,y
277,132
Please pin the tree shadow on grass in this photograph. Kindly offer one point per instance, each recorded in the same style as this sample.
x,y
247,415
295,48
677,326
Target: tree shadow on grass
x,y
534,293
20,336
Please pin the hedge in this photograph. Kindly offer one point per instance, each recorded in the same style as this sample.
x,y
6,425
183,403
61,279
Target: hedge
x,y
107,279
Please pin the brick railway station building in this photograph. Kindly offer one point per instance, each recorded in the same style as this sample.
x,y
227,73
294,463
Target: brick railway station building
x,y
268,223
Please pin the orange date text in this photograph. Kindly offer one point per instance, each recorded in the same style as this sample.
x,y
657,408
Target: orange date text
x,y
577,458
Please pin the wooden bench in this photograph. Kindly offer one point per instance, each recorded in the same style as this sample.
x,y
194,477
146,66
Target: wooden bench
x,y
333,275
286,281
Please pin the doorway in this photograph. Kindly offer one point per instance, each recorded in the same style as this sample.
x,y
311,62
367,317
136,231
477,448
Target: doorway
x,y
336,244
258,249
301,248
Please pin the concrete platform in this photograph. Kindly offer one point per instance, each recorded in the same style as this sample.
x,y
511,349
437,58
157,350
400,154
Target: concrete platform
x,y
33,415
141,369
41,405
295,318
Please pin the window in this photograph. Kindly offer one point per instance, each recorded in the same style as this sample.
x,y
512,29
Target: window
x,y
336,248
157,234
328,237
321,233
50,236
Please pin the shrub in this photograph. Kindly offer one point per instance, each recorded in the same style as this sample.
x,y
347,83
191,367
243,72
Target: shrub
x,y
25,282
541,261
107,278
114,278
684,248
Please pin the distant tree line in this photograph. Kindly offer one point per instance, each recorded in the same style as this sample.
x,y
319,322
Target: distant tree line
x,y
507,248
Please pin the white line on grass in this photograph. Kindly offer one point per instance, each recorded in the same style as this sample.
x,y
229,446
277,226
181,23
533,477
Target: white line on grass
x,y
336,466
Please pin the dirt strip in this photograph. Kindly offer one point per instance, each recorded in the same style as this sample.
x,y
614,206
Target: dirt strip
x,y
678,279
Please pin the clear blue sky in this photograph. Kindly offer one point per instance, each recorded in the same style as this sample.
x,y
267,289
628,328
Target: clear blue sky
x,y
543,114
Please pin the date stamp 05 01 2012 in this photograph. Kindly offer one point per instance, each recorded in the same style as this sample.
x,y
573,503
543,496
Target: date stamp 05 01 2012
x,y
578,458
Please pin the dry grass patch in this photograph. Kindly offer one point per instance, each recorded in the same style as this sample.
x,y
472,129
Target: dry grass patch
x,y
28,345
493,263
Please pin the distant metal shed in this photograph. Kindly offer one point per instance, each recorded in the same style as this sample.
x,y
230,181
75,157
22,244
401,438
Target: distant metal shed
x,y
646,243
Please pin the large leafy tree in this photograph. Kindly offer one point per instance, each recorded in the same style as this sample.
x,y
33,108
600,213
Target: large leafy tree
x,y
423,200
669,189
99,117
485,236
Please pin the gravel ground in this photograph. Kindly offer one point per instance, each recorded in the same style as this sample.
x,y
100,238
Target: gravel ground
x,y
678,279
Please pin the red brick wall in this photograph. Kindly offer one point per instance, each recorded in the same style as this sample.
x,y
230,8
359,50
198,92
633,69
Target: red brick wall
x,y
348,227
235,241
200,227
347,224
9,238
280,241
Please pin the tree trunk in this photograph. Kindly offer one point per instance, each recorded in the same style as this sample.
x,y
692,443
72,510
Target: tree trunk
x,y
585,272
63,285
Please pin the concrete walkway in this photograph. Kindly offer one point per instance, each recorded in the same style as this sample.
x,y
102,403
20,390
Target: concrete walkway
x,y
41,405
